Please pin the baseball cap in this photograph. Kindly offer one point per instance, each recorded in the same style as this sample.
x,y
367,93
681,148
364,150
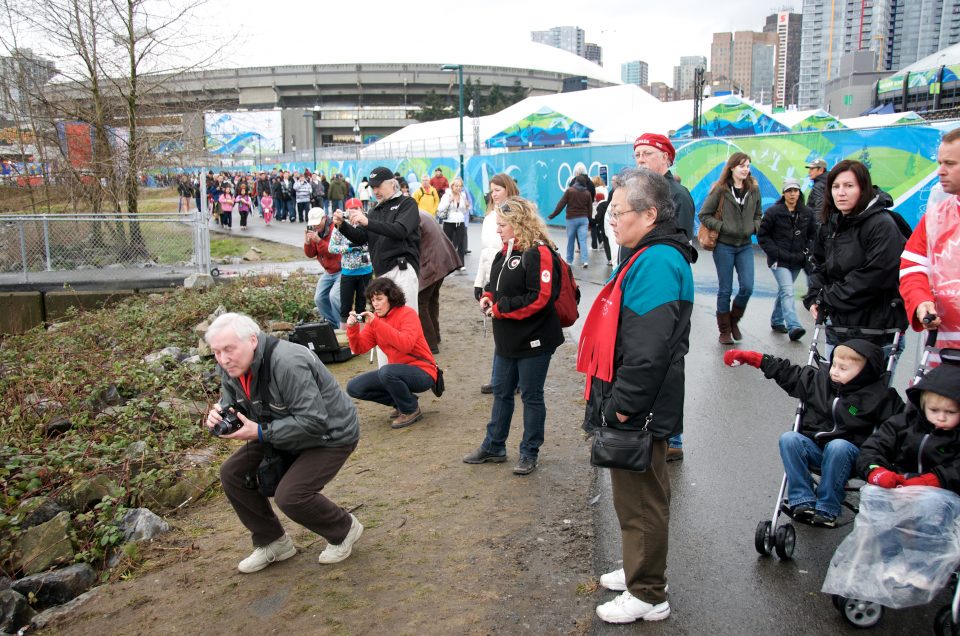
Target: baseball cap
x,y
790,184
659,142
315,216
353,204
817,163
379,175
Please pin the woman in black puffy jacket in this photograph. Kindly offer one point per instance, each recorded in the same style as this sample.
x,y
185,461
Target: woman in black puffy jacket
x,y
786,235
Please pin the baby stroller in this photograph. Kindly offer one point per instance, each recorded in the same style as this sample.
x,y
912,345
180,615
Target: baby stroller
x,y
930,568
769,537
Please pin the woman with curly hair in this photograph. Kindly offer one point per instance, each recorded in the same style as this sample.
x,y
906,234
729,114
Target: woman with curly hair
x,y
410,368
524,283
733,209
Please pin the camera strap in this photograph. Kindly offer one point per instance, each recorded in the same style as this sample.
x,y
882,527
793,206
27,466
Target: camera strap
x,y
263,382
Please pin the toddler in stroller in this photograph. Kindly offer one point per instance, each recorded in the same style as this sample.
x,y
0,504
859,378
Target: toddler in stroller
x,y
906,541
843,402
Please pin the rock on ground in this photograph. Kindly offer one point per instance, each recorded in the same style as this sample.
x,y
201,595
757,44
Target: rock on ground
x,y
140,524
44,545
57,586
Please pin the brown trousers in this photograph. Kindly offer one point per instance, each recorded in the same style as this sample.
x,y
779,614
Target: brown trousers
x,y
298,494
429,301
642,502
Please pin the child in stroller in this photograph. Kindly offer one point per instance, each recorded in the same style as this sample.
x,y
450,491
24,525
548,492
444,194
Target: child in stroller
x,y
844,401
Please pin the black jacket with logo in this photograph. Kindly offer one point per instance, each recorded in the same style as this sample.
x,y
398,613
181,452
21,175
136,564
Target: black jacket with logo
x,y
523,288
392,233
857,268
908,443
848,411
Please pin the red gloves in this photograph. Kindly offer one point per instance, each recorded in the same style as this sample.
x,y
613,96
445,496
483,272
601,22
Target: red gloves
x,y
926,479
885,478
736,357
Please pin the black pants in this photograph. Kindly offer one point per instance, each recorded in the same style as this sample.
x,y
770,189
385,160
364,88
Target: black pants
x,y
597,235
352,294
457,233
302,208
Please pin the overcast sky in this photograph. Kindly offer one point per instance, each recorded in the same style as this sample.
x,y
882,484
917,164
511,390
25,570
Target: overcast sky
x,y
657,32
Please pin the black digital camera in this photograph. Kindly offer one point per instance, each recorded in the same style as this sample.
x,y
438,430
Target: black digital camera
x,y
230,423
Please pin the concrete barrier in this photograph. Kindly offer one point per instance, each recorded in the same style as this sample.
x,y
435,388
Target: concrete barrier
x,y
20,311
57,303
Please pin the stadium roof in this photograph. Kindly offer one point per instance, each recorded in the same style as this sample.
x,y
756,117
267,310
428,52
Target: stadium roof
x,y
413,50
947,56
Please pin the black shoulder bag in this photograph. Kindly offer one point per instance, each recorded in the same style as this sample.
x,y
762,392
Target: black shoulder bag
x,y
438,385
275,463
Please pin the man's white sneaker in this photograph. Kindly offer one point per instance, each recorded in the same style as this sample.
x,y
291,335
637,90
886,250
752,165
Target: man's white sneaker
x,y
616,580
336,553
627,608
280,550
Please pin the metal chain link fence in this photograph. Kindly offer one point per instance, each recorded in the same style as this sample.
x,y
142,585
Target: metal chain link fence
x,y
32,246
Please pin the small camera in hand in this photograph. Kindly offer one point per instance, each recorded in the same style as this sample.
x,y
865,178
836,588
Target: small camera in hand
x,y
230,423
360,318
311,228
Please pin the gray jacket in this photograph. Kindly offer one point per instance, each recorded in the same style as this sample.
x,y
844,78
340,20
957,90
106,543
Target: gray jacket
x,y
309,407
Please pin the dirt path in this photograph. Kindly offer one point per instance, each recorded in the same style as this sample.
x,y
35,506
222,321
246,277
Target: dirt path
x,y
448,547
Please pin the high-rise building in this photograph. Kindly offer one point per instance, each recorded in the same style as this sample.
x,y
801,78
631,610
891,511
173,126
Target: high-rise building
x,y
683,75
787,26
21,75
568,38
635,72
661,91
900,32
593,52
744,62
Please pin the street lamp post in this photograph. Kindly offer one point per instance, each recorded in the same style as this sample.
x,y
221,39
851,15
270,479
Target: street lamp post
x,y
459,69
307,115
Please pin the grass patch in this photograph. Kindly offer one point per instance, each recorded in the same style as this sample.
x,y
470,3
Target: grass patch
x,y
228,246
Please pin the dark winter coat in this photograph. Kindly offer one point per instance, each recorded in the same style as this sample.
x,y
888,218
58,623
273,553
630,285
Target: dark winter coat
x,y
815,198
908,443
652,340
438,256
392,233
737,222
577,200
857,268
848,411
787,237
524,288
683,205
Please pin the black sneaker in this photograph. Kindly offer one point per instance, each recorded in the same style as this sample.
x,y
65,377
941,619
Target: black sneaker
x,y
778,328
803,514
525,466
796,334
486,389
822,520
482,455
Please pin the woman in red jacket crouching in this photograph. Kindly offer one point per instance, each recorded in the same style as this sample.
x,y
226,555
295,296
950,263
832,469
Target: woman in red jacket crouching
x,y
410,368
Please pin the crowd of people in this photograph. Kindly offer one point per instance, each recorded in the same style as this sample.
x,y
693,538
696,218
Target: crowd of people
x,y
866,284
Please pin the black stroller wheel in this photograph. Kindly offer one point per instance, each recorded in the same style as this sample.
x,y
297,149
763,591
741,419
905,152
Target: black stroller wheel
x,y
785,541
861,614
943,624
763,538
837,601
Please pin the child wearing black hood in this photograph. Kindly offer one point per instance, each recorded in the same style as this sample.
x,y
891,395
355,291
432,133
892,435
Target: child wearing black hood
x,y
845,401
921,446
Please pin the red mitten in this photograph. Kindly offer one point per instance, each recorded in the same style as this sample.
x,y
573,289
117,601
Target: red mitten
x,y
884,478
926,479
736,357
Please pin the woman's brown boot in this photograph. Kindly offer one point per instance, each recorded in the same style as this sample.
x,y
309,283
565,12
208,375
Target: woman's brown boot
x,y
723,324
736,313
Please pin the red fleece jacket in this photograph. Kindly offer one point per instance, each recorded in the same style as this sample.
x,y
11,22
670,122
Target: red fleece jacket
x,y
399,335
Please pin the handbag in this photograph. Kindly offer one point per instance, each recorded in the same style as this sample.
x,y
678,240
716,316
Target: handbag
x,y
438,386
706,237
622,449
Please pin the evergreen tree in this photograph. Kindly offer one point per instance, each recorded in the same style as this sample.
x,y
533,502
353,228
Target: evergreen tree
x,y
433,108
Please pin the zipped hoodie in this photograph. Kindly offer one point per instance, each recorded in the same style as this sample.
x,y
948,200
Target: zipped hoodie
x,y
909,444
848,411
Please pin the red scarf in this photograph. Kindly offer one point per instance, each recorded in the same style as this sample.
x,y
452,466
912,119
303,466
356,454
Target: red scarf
x,y
598,337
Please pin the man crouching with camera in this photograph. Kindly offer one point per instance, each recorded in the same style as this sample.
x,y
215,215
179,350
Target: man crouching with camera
x,y
298,434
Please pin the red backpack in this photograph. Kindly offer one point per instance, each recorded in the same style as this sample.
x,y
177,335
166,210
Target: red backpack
x,y
569,295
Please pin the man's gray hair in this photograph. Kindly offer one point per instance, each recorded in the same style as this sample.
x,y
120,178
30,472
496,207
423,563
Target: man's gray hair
x,y
394,183
241,324
646,189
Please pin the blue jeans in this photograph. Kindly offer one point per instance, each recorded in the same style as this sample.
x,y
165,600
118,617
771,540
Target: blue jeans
x,y
529,374
835,463
577,233
726,258
676,441
327,298
336,204
785,306
284,209
393,385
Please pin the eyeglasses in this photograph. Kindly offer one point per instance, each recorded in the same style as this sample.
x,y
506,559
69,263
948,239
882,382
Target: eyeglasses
x,y
646,154
616,214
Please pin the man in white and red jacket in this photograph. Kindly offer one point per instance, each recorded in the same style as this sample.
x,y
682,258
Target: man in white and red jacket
x,y
930,263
